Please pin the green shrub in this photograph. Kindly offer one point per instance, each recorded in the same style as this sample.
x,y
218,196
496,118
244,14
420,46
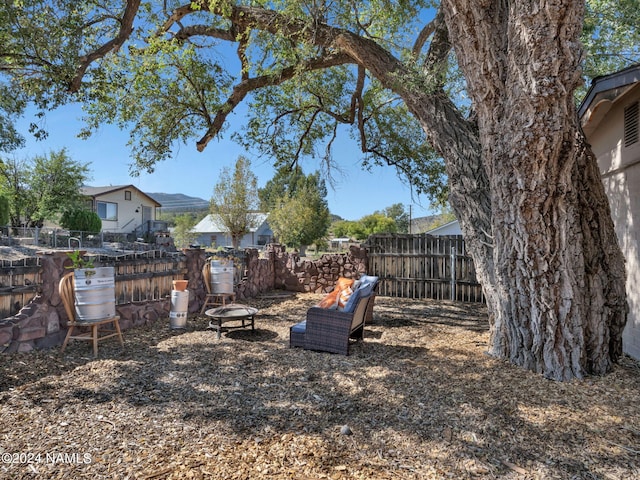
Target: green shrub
x,y
81,220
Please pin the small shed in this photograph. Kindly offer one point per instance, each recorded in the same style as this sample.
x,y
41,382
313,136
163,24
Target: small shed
x,y
340,243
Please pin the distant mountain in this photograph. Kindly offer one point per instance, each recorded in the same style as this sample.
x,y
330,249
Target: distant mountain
x,y
178,202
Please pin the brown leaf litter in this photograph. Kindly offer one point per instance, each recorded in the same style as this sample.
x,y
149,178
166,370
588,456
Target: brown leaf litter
x,y
419,399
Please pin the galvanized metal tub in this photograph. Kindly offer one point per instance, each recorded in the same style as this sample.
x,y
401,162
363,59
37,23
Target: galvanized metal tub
x,y
95,294
221,277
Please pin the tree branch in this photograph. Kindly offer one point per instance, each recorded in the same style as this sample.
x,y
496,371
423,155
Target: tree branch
x,y
438,50
126,27
305,134
427,104
390,162
356,97
242,89
423,36
257,17
355,49
205,31
243,42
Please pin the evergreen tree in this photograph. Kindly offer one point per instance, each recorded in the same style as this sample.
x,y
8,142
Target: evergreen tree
x,y
81,220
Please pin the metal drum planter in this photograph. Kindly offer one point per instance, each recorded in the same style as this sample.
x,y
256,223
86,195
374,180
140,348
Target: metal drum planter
x,y
95,293
221,277
179,309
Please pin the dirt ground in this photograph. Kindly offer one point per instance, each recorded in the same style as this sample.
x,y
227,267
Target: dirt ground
x,y
418,399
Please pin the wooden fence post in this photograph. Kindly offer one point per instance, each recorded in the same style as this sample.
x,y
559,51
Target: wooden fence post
x,y
453,273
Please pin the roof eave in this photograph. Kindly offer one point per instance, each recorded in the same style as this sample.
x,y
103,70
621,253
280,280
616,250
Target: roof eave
x,y
622,78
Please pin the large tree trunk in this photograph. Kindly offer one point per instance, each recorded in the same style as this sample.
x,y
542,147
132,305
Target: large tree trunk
x,y
558,300
524,184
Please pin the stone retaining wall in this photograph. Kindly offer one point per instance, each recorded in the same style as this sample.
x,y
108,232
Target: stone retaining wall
x,y
316,276
43,322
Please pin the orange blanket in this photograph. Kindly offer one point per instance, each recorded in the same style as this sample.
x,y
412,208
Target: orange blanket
x,y
340,294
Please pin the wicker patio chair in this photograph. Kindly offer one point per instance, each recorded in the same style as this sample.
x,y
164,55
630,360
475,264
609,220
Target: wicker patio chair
x,y
96,330
330,330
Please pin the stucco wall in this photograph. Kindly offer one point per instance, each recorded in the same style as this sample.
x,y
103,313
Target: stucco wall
x,y
128,219
620,167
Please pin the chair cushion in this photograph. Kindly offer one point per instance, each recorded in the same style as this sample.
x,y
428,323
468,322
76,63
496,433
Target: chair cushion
x,y
350,307
343,298
299,327
366,284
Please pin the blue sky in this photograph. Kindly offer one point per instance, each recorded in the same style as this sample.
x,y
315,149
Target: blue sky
x,y
357,192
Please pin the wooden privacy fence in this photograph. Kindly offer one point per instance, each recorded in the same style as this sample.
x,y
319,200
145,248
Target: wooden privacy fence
x,y
139,277
423,266
144,276
19,283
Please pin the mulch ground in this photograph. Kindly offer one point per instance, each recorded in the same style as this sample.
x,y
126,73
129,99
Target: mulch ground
x,y
418,399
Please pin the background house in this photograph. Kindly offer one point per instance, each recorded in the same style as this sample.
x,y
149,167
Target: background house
x,y
451,228
124,209
211,232
609,117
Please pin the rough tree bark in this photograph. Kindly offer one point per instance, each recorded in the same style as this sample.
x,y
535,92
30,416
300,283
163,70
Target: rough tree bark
x,y
559,274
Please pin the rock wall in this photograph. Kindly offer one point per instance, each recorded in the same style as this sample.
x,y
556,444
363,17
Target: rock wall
x,y
316,276
43,322
258,275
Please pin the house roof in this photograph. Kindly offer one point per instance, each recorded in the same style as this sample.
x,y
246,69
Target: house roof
x,y
94,192
453,226
603,93
212,223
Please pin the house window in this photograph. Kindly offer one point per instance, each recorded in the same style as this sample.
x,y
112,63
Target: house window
x,y
127,194
214,240
631,124
107,210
